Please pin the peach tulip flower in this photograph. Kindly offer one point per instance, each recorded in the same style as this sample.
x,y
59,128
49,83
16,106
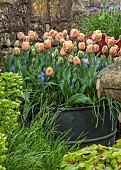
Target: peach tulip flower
x,y
92,48
64,33
59,36
27,38
46,34
62,40
113,50
74,33
25,46
96,35
52,33
68,46
17,43
110,41
49,71
39,47
76,60
20,35
81,45
81,37
89,41
47,44
62,52
32,34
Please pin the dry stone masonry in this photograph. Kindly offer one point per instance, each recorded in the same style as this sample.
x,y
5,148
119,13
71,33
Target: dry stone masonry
x,y
40,15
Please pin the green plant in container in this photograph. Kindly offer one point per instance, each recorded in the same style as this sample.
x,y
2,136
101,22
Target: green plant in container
x,y
64,76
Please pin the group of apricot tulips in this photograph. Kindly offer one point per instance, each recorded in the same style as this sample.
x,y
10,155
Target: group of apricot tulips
x,y
97,43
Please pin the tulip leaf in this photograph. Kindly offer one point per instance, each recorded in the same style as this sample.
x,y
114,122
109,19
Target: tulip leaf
x,y
79,98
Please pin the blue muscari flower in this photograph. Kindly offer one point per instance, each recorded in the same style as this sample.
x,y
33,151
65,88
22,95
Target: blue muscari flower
x,y
73,82
119,7
42,81
92,61
44,69
112,2
94,9
99,66
109,11
107,7
41,78
25,62
12,69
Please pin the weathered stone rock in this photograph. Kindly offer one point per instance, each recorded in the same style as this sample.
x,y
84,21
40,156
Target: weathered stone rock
x,y
109,82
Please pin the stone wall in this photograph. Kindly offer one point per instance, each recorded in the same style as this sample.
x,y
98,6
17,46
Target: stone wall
x,y
40,15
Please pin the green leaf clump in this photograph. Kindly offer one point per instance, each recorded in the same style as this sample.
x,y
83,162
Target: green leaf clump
x,y
94,157
10,90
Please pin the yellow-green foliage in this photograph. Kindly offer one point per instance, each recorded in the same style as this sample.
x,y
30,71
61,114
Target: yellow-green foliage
x,y
10,90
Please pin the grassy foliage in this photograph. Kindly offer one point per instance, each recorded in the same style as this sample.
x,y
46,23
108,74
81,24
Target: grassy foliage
x,y
35,148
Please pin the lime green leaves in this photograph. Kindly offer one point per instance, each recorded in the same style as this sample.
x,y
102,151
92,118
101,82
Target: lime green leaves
x,y
10,91
95,157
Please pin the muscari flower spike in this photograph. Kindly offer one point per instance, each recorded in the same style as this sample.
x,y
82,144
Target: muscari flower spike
x,y
94,9
44,69
112,2
99,66
12,69
119,7
41,78
73,82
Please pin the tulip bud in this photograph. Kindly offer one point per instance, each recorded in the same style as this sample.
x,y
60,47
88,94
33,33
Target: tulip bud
x,y
70,59
17,43
104,49
60,60
81,54
8,42
17,51
33,51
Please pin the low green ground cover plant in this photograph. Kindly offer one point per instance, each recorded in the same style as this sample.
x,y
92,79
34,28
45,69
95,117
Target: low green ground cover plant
x,y
94,157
